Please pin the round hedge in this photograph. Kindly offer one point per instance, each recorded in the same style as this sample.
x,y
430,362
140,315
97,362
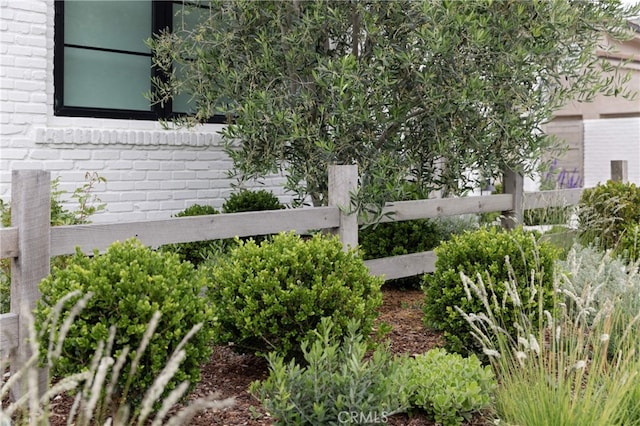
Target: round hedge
x,y
270,297
251,201
196,252
129,283
396,238
483,252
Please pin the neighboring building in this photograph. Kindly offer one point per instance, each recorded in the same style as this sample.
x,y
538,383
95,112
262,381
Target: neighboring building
x,y
604,130
72,78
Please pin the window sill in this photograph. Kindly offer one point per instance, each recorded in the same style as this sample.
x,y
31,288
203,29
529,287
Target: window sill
x,y
110,132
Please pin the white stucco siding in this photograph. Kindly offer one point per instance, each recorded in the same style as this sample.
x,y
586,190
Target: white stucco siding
x,y
151,173
611,139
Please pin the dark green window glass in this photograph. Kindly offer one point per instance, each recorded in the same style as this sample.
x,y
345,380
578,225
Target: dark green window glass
x,y
100,79
106,62
102,66
121,25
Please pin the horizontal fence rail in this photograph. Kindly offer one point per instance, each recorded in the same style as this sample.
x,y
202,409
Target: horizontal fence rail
x,y
405,265
442,207
9,243
8,332
65,239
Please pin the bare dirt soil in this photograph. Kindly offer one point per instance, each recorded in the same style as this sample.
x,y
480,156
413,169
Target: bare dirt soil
x,y
230,373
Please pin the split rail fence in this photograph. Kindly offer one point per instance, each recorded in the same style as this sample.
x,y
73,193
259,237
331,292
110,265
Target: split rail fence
x,y
31,242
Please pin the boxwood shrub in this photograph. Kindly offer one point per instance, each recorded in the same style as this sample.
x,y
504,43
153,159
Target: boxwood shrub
x,y
397,238
251,201
196,252
130,282
269,297
484,252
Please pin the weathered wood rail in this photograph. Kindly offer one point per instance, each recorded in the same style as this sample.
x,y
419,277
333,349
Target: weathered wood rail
x,y
31,241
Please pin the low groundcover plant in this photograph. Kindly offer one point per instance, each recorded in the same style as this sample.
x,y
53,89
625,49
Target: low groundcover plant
x,y
448,387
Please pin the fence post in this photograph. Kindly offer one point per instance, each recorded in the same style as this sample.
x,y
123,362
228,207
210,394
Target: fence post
x,y
513,183
343,179
619,170
30,213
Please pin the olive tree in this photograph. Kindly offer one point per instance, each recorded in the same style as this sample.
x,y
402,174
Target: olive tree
x,y
416,93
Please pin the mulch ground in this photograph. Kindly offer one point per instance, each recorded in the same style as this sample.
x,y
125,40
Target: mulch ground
x,y
230,373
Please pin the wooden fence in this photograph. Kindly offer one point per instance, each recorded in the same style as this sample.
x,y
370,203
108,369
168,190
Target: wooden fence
x,y
30,242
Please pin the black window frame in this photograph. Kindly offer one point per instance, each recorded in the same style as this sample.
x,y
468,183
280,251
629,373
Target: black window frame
x,y
162,18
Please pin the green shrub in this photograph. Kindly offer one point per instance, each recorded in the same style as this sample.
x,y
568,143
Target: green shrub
x,y
396,238
448,387
606,212
130,282
251,201
196,252
483,252
337,383
273,295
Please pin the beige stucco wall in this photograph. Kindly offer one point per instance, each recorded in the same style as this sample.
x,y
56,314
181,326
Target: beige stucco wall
x,y
608,125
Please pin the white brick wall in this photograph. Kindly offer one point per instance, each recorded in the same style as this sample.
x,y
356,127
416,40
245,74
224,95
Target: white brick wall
x,y
611,139
151,173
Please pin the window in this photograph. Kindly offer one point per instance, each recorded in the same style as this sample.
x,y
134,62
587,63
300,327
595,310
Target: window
x,y
102,66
